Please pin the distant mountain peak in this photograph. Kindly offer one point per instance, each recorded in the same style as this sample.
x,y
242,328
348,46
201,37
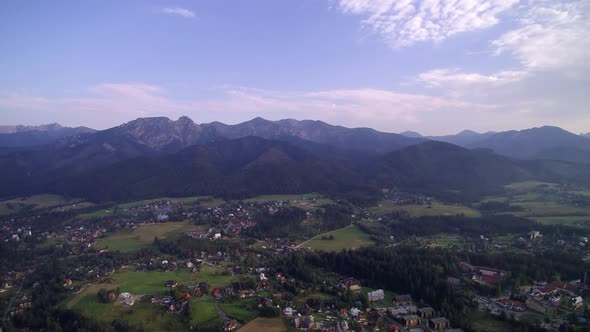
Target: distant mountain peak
x,y
468,132
409,133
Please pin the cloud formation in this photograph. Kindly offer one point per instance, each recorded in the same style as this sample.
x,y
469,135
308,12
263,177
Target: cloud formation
x,y
552,36
406,22
178,11
343,106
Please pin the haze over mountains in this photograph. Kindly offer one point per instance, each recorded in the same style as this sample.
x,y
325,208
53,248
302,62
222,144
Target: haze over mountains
x,y
151,157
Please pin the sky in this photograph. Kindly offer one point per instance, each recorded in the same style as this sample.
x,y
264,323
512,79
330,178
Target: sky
x,y
432,66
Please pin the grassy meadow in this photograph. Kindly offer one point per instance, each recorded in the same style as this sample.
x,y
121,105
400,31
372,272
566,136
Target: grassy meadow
x,y
349,237
435,209
129,240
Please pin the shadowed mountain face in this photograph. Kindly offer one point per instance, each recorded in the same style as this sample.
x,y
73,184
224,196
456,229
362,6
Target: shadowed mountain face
x,y
236,168
547,142
28,136
158,156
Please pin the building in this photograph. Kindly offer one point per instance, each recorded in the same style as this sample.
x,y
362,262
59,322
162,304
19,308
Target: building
x,y
375,296
427,312
410,321
439,323
404,299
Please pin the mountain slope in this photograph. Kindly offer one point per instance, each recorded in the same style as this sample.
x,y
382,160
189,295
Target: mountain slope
x,y
443,167
361,139
539,143
237,168
464,138
28,136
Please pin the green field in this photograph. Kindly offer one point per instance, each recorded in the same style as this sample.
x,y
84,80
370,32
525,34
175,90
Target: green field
x,y
546,203
243,310
266,325
144,315
216,277
185,200
349,237
203,311
37,202
123,209
435,209
133,239
303,200
443,240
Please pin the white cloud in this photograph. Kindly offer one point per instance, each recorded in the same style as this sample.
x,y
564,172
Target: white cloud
x,y
178,11
406,22
353,107
552,36
455,78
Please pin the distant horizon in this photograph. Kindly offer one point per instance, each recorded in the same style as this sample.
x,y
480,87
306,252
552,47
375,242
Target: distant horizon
x,y
334,124
435,67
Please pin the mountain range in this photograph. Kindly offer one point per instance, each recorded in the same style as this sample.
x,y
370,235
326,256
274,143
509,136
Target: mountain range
x,y
151,157
547,142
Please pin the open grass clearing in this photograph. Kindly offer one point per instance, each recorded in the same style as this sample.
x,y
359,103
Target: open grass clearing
x,y
203,312
37,202
129,240
349,237
144,315
261,324
435,209
305,201
243,310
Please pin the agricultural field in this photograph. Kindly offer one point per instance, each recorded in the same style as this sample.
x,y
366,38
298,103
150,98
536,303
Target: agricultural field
x,y
203,312
143,314
265,324
122,209
242,310
129,240
435,209
349,237
305,201
185,200
135,282
215,276
443,241
547,203
40,202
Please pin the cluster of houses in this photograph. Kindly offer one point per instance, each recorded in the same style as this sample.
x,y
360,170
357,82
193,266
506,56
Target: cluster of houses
x,y
481,275
546,297
398,314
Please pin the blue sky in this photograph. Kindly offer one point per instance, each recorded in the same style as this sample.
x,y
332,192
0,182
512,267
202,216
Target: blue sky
x,y
434,66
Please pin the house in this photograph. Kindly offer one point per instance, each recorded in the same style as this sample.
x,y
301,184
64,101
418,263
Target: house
x,y
410,320
427,312
511,304
377,295
466,267
304,323
344,325
439,323
288,311
577,301
534,234
351,284
404,299
343,313
393,328
230,325
217,293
